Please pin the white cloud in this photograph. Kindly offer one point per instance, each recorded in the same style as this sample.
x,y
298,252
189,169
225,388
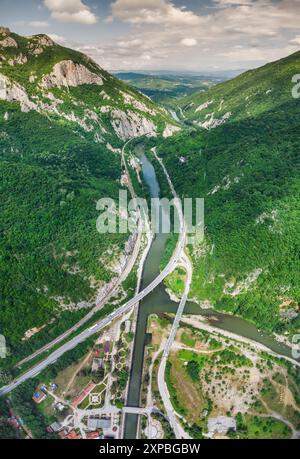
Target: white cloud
x,y
39,24
70,11
189,42
232,34
296,40
227,3
244,54
57,38
161,12
247,54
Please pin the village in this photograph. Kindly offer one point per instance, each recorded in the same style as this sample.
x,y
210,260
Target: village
x,y
85,400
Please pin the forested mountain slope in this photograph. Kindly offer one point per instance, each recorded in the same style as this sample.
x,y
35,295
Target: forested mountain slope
x,y
63,120
246,96
248,171
45,77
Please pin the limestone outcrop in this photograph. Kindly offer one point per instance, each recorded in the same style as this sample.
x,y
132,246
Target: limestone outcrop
x,y
130,124
68,73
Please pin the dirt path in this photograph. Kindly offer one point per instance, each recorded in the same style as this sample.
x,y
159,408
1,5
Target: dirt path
x,y
177,345
76,373
279,417
286,396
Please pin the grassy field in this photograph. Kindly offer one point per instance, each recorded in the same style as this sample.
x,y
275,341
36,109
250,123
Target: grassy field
x,y
176,281
265,428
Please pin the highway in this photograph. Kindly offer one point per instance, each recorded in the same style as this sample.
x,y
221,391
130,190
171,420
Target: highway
x,y
35,370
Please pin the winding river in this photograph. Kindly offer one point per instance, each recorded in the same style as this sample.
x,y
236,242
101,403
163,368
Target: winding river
x,y
159,301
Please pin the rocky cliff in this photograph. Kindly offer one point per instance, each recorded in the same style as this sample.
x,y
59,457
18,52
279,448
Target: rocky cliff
x,y
58,82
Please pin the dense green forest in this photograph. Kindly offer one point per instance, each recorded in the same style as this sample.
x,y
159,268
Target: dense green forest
x,y
248,171
50,249
247,96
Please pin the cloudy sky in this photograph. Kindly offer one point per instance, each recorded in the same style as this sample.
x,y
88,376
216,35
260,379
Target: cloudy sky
x,y
180,35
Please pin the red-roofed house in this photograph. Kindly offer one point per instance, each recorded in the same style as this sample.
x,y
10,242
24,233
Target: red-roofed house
x,y
73,435
83,394
39,396
92,435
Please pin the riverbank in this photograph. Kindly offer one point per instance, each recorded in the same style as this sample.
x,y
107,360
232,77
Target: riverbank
x,y
197,322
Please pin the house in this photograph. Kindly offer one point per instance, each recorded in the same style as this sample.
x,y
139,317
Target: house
x,y
60,407
73,435
94,423
97,363
92,435
55,427
39,396
83,394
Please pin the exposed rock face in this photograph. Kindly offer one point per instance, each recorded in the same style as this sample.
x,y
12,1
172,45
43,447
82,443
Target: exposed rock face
x,y
233,289
39,43
32,78
38,50
104,95
18,60
97,115
105,109
204,106
76,119
11,92
130,100
98,138
129,124
67,73
8,42
4,30
44,40
212,122
170,130
111,148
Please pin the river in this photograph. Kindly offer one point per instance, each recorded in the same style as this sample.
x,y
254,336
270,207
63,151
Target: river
x,y
159,301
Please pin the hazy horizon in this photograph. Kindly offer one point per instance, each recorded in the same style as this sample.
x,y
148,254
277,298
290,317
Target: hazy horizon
x,y
179,35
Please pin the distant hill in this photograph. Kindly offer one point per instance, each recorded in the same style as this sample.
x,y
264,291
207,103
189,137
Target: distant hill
x,y
167,88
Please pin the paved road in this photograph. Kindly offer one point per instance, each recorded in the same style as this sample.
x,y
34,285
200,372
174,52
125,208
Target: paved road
x,y
164,393
35,370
